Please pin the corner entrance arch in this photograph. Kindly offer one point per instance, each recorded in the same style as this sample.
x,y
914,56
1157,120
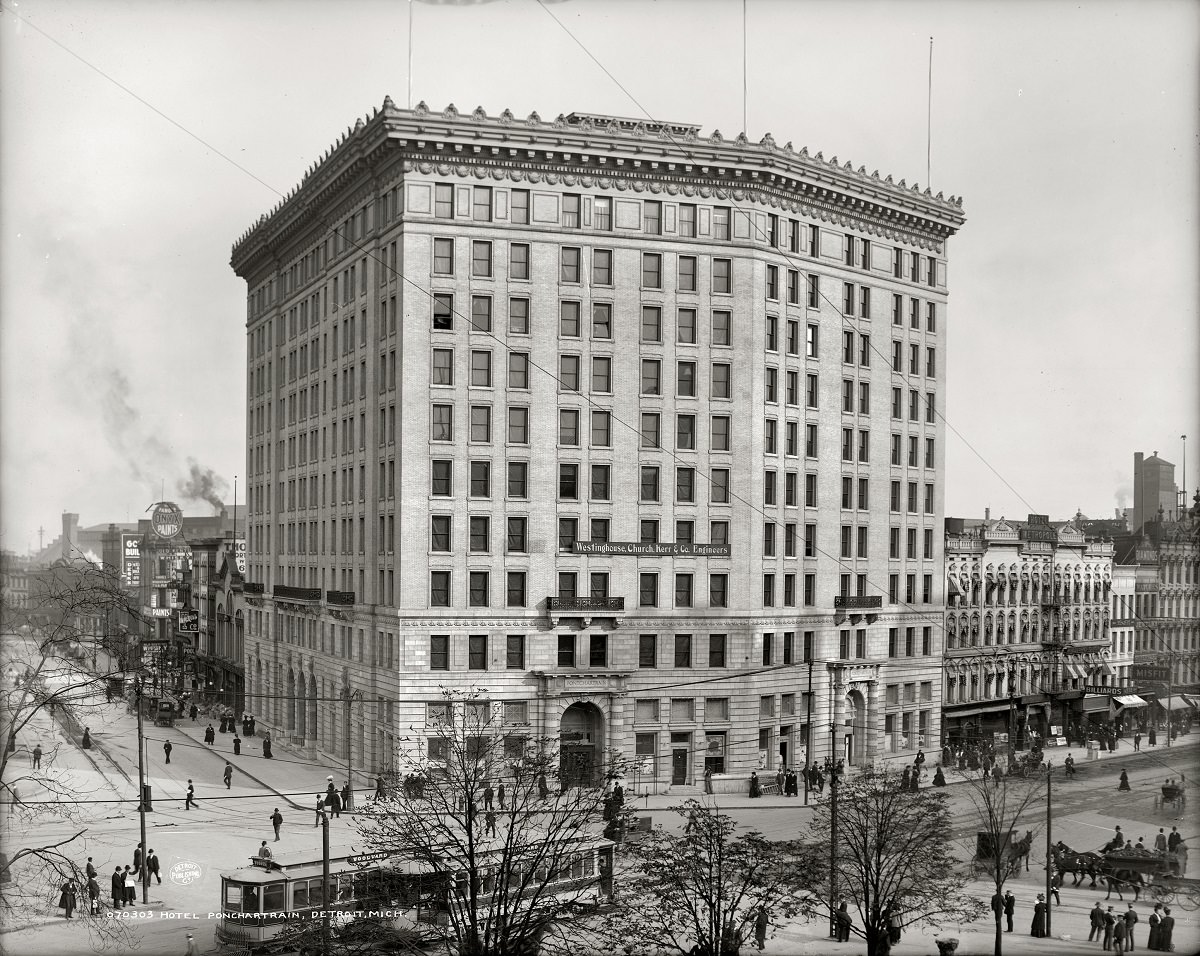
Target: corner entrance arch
x,y
580,733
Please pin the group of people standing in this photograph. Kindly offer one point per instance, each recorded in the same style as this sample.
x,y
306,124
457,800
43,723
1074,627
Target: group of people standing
x,y
1115,930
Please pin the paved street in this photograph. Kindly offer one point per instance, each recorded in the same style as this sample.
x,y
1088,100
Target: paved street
x,y
225,829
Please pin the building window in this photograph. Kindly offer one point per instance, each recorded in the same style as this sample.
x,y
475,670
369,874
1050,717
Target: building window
x,y
442,423
720,433
652,217
439,533
481,259
439,652
568,482
477,652
647,590
519,207
683,590
566,650
722,323
602,213
443,312
568,320
598,650
647,650
651,324
720,222
602,320
481,423
719,486
515,652
443,257
649,483
650,430
683,650
479,588
518,260
651,270
567,534
716,650
569,259
722,276
441,478
687,273
571,207
439,588
602,267
718,590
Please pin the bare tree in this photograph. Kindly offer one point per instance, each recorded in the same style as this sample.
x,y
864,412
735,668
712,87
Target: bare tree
x,y
700,891
56,651
894,857
1002,806
506,868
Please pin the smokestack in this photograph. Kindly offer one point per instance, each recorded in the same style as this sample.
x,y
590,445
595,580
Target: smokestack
x,y
70,525
987,514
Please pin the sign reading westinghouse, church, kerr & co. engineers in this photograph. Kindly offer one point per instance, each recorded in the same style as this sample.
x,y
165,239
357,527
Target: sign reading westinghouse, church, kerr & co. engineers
x,y
652,550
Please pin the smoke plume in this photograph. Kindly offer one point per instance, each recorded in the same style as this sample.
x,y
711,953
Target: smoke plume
x,y
203,484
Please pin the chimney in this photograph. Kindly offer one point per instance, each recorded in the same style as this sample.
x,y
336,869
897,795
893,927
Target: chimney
x,y
987,514
70,525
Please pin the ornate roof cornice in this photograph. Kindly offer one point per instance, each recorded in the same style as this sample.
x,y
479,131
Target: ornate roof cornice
x,y
617,153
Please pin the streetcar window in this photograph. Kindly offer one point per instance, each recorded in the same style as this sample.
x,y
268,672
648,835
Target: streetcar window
x,y
233,896
274,899
345,888
300,894
250,898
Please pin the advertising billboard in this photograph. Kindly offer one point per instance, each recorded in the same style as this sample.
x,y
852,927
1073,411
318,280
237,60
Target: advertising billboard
x,y
239,555
131,560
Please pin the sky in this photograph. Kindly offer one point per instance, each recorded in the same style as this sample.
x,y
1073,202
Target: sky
x,y
140,138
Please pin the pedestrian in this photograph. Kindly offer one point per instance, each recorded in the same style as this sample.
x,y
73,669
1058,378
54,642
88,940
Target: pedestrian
x,y
347,796
264,851
191,947
755,786
118,888
780,778
267,746
1181,852
1152,736
761,922
998,906
1137,741
1124,785
90,870
37,756
543,789
130,888
490,821
152,867
228,774
920,762
1130,919
167,749
708,786
1109,922
904,780
1010,908
793,784
1097,922
996,775
137,861
193,712
500,794
209,735
488,795
1119,933
335,804
69,898
1155,922
320,810
893,922
191,797
939,778
87,738
1165,930
1038,929
237,745
277,822
93,892
844,922
380,792
1173,839
1160,841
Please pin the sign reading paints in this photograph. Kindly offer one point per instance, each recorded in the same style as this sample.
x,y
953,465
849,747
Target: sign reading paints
x,y
167,519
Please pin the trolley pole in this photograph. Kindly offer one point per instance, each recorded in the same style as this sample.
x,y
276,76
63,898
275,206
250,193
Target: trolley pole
x,y
833,830
808,751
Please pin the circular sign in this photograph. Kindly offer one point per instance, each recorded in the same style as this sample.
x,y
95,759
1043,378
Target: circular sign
x,y
185,872
167,519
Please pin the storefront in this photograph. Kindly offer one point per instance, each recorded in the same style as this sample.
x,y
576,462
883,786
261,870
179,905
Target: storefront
x,y
966,725
1090,718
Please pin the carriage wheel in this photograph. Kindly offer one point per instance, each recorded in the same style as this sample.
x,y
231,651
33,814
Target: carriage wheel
x,y
1191,899
1163,894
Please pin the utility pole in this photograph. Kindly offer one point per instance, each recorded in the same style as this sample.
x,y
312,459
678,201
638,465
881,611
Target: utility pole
x,y
325,901
833,829
1049,848
141,740
808,727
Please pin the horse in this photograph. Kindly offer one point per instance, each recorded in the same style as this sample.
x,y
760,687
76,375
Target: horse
x,y
1078,865
1020,851
1116,878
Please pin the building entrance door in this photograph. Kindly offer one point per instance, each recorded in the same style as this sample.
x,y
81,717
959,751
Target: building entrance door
x,y
580,733
578,766
679,765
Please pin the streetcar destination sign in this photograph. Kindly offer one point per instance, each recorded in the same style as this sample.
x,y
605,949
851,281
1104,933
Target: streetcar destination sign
x,y
366,857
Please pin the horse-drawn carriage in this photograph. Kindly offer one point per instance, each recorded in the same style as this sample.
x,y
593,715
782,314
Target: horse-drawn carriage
x,y
1173,796
1009,853
1127,867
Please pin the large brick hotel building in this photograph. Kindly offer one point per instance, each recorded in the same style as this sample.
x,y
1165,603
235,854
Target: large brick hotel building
x,y
635,431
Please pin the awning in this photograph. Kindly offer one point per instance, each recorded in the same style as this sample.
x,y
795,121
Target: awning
x,y
1093,702
951,714
1107,668
1075,672
1129,700
1174,703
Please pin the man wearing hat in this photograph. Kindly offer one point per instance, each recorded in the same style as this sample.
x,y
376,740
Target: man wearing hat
x,y
1109,921
1097,919
1010,904
1130,919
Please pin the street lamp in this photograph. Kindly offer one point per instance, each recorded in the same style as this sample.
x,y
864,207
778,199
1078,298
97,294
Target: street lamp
x,y
833,829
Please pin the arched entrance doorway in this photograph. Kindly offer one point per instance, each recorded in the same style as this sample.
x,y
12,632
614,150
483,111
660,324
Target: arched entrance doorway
x,y
580,734
854,732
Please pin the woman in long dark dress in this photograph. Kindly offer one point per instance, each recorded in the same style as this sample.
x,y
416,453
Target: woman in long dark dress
x,y
1124,781
1039,917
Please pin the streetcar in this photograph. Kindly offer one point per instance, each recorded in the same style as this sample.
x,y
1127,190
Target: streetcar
x,y
409,897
